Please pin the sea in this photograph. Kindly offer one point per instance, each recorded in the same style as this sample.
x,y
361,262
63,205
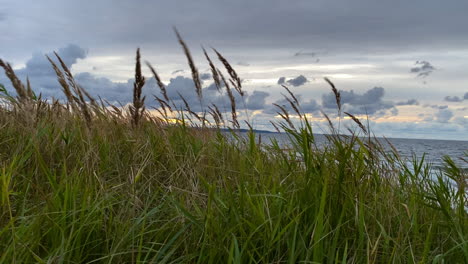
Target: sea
x,y
433,150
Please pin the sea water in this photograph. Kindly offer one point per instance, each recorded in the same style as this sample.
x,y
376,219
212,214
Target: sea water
x,y
433,150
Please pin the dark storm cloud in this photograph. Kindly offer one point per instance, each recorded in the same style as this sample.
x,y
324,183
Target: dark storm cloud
x,y
107,89
465,96
298,81
408,102
41,74
422,68
38,65
281,80
371,102
44,81
453,99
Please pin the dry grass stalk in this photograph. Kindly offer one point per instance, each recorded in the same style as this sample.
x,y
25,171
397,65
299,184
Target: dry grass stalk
x,y
356,120
336,92
291,94
162,113
284,115
137,109
231,99
104,108
188,108
204,120
220,115
117,111
329,121
163,103
293,105
163,107
236,80
161,85
15,81
195,74
61,79
394,149
79,91
275,126
101,101
234,85
29,90
66,80
248,125
215,116
91,99
214,71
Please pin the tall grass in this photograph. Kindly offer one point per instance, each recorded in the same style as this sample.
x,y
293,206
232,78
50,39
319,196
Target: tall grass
x,y
85,182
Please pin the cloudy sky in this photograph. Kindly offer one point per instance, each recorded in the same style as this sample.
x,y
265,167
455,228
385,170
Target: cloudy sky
x,y
404,64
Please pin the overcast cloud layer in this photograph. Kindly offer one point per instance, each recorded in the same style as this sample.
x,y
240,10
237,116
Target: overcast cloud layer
x,y
403,63
343,25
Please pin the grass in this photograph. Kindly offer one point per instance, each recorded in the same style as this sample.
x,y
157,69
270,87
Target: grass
x,y
85,182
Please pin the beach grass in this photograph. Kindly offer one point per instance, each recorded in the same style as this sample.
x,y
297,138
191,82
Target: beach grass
x,y
82,181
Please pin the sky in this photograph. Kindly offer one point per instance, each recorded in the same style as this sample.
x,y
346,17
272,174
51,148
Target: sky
x,y
402,66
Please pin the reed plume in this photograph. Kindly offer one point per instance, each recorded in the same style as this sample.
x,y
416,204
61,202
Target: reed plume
x,y
285,115
214,115
62,81
68,83
29,90
291,94
193,68
357,121
214,71
231,99
336,92
236,81
294,102
15,81
330,124
138,107
161,85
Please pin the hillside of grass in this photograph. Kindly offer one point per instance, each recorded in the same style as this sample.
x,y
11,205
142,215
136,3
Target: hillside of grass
x,y
83,181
